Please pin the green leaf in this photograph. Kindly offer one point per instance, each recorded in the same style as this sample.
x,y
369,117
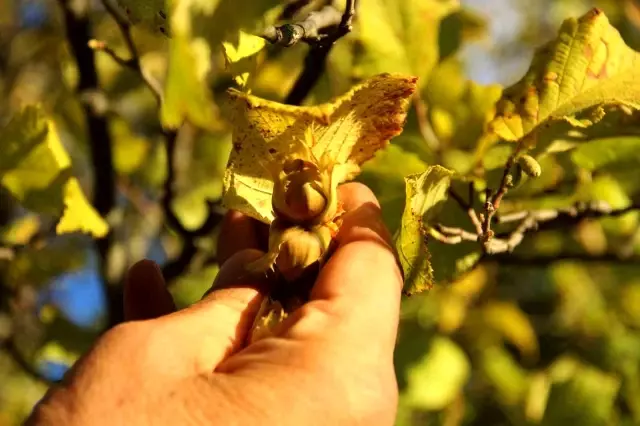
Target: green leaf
x,y
37,265
185,92
20,136
198,30
399,36
575,79
201,181
581,395
151,14
385,174
460,109
438,378
600,153
507,377
425,194
459,27
190,288
40,176
509,321
129,150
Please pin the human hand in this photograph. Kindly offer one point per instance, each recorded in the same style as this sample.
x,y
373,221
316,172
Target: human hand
x,y
330,362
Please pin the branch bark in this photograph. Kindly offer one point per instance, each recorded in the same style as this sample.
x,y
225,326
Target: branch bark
x,y
176,267
528,220
315,61
78,34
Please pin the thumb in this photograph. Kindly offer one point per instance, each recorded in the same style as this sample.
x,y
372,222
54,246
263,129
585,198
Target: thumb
x,y
217,326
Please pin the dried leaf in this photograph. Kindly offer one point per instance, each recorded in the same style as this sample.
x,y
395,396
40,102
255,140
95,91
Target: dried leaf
x,y
349,131
573,79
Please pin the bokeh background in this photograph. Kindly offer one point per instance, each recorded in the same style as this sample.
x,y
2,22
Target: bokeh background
x,y
547,335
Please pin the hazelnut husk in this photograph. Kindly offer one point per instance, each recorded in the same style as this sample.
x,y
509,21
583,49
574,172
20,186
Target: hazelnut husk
x,y
298,194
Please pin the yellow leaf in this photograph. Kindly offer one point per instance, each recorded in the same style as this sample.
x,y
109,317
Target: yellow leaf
x,y
78,214
508,320
21,230
439,377
198,29
41,178
240,56
349,130
400,36
571,79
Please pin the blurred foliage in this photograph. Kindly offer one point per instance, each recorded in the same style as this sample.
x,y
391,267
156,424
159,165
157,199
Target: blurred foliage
x,y
546,335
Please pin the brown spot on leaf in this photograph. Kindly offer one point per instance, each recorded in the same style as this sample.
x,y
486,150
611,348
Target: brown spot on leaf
x,y
272,150
588,51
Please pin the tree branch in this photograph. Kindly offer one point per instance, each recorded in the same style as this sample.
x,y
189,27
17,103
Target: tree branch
x,y
468,207
315,60
78,34
176,267
538,219
311,30
545,260
189,250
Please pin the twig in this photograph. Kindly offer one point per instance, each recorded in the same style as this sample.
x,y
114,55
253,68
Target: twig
x,y
315,60
492,204
312,29
538,219
424,125
175,268
213,218
468,207
452,235
9,346
189,250
102,46
134,62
